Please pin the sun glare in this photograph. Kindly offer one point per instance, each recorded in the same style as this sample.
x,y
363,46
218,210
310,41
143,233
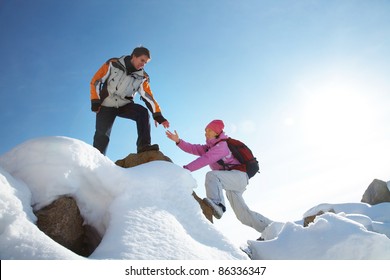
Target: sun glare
x,y
337,117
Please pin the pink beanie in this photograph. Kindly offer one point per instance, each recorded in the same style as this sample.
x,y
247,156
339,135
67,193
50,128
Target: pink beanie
x,y
216,126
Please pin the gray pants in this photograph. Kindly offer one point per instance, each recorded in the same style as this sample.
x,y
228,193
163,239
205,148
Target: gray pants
x,y
234,183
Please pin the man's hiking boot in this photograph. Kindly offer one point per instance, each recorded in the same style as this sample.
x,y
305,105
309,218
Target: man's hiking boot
x,y
153,147
218,210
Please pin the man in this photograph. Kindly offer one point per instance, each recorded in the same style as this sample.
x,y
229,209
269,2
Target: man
x,y
113,88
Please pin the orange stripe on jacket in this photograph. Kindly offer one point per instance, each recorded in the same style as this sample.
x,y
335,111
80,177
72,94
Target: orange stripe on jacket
x,y
149,92
97,78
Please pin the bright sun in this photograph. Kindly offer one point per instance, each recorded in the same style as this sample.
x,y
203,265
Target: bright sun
x,y
337,117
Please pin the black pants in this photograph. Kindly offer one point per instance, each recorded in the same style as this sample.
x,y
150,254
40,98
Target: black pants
x,y
105,119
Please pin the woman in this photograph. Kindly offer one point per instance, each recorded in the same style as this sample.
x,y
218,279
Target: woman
x,y
234,182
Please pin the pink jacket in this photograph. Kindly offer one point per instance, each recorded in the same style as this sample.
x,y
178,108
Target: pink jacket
x,y
209,153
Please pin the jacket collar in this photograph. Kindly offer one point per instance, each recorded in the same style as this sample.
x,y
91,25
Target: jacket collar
x,y
129,67
126,62
214,141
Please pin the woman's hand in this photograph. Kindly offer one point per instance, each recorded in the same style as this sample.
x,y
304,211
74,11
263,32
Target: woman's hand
x,y
173,136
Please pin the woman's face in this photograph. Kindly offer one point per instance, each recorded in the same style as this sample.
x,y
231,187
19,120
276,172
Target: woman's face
x,y
210,134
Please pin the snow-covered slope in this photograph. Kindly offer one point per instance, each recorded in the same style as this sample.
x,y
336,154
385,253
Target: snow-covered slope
x,y
363,234
148,212
145,212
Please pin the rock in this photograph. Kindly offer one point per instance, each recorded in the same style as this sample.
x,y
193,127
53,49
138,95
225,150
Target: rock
x,y
92,240
309,219
377,192
62,221
206,209
136,159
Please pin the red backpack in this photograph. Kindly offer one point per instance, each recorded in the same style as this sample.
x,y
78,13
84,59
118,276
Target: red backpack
x,y
244,155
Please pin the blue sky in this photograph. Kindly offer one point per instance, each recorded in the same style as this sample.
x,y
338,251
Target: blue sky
x,y
304,83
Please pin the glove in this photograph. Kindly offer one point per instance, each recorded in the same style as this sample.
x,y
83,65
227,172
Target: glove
x,y
95,105
159,118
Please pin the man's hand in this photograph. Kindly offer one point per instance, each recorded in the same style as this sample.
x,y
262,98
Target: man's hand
x,y
165,124
95,105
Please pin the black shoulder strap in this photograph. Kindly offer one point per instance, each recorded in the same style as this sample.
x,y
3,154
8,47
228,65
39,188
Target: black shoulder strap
x,y
221,162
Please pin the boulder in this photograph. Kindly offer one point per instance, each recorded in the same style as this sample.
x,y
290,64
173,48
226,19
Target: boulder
x,y
62,221
377,192
136,159
310,219
206,209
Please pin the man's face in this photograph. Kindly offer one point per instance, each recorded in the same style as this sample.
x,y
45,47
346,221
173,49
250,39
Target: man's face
x,y
140,61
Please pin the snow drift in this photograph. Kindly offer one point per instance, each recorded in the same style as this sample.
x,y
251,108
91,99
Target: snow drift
x,y
145,212
148,212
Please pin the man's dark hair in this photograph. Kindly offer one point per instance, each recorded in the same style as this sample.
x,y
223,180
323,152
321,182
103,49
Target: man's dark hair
x,y
140,51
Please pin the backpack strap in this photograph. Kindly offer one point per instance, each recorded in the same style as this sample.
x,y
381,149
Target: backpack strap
x,y
239,166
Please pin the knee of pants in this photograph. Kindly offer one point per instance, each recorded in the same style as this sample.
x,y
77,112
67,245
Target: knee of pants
x,y
143,118
213,185
102,135
143,112
211,178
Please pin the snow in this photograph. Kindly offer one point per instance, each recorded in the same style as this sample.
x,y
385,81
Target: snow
x,y
148,213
